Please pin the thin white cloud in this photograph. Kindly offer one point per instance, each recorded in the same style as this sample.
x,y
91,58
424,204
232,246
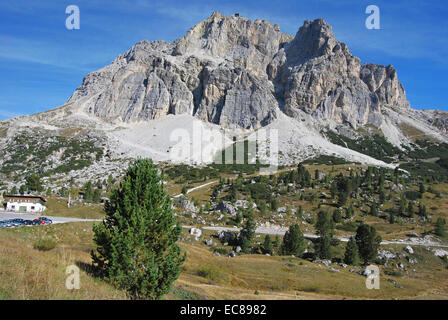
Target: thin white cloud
x,y
6,114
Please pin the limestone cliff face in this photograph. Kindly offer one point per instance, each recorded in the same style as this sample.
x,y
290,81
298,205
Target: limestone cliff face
x,y
236,72
317,74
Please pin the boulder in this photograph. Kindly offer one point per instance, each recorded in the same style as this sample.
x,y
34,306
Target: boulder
x,y
195,232
409,249
440,253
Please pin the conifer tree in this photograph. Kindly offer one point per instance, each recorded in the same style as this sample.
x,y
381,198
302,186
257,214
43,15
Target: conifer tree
x,y
382,195
267,245
277,243
422,211
325,229
368,241
373,210
391,217
325,224
351,255
33,183
248,232
337,216
410,210
441,227
293,242
349,212
136,243
323,247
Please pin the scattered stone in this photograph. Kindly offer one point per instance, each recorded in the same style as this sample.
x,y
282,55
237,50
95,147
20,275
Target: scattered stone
x,y
384,254
189,206
226,236
412,235
440,253
409,249
196,233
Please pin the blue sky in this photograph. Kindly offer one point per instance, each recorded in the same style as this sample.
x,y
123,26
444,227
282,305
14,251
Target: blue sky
x,y
42,63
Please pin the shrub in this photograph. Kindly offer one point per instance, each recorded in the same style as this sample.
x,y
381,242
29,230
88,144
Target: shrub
x,y
413,195
349,226
183,294
221,251
45,244
211,273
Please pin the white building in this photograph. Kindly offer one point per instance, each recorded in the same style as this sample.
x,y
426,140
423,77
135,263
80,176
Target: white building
x,y
25,203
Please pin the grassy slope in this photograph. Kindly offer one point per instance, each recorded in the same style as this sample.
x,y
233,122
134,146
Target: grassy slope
x,y
26,273
58,207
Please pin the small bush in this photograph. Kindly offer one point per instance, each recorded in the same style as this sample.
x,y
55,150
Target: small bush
x,y
45,244
349,226
183,294
221,251
311,289
393,273
335,242
210,273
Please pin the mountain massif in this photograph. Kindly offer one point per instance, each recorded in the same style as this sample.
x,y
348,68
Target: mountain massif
x,y
235,72
232,74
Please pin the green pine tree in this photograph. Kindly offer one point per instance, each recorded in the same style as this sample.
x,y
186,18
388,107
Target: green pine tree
x,y
373,210
325,224
441,227
136,243
422,211
33,183
88,191
323,247
349,212
410,211
248,232
267,245
337,216
351,255
276,243
293,242
368,241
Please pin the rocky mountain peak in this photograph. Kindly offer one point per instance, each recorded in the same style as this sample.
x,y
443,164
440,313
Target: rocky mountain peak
x,y
236,72
314,38
235,38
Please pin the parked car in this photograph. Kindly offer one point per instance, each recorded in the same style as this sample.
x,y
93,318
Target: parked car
x,y
22,222
37,222
45,220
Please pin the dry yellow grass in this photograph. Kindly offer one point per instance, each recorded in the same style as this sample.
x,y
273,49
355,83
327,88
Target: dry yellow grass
x,y
58,207
26,273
